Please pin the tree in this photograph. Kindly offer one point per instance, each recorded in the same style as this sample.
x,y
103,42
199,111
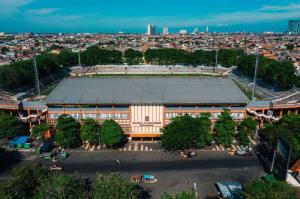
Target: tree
x,y
185,132
247,128
67,58
114,186
225,129
10,126
62,186
182,195
288,129
89,131
39,130
111,133
259,189
133,56
22,182
67,131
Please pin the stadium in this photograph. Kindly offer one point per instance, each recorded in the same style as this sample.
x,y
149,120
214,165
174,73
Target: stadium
x,y
143,105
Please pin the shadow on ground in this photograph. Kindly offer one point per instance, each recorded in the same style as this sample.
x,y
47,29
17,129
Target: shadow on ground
x,y
8,159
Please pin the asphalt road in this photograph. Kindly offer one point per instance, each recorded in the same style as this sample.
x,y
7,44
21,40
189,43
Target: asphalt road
x,y
174,174
158,166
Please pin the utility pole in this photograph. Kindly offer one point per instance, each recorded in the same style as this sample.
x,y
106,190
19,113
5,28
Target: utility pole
x,y
255,73
36,75
216,64
79,62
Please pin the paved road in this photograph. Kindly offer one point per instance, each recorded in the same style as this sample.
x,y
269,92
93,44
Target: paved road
x,y
158,166
174,174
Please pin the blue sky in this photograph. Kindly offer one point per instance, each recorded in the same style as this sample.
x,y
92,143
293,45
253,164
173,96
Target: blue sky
x,y
134,15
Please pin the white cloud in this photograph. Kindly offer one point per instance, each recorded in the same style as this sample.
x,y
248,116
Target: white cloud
x,y
42,11
280,8
8,7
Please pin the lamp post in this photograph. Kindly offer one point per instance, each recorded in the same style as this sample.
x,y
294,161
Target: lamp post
x,y
255,73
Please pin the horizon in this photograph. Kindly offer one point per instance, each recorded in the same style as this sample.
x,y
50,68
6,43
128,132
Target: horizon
x,y
133,16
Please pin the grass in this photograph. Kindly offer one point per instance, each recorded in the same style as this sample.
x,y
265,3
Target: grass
x,y
150,75
247,92
48,90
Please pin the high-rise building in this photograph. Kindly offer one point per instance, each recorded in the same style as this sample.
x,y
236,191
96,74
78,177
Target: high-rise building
x,y
183,32
196,31
165,30
294,26
206,30
150,30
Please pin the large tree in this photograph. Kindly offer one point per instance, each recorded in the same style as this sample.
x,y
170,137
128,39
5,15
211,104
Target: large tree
x,y
288,129
185,132
259,189
111,133
61,186
225,129
39,130
22,182
133,56
90,131
10,126
67,131
182,195
114,186
247,128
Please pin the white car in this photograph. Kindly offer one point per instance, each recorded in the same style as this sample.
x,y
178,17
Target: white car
x,y
56,168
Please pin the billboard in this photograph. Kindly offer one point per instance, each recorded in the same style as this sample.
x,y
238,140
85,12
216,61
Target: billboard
x,y
281,159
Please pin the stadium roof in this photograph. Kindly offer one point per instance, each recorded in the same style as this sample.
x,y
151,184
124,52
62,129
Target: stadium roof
x,y
147,90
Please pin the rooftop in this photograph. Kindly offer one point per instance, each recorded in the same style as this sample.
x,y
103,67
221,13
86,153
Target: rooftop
x,y
147,90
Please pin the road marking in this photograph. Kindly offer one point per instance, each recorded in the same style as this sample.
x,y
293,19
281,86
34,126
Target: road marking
x,y
136,146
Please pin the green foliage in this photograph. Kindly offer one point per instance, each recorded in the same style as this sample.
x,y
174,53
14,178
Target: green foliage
x,y
21,73
67,58
89,131
39,130
288,128
67,130
225,129
182,195
114,186
276,190
10,126
22,182
277,73
185,132
61,186
95,55
111,133
247,128
133,56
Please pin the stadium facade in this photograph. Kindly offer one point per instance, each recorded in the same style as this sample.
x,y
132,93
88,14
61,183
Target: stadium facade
x,y
143,105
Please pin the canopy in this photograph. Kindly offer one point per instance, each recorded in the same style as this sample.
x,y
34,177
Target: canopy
x,y
19,140
230,190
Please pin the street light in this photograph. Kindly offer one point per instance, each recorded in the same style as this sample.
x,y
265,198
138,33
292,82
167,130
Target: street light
x,y
255,72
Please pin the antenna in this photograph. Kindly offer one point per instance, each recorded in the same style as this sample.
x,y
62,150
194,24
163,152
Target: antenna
x,y
255,73
216,65
36,75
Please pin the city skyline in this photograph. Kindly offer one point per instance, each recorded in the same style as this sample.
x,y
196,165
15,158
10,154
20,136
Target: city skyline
x,y
134,16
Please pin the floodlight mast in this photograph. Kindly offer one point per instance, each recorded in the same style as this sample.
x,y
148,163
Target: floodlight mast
x,y
216,64
36,75
255,74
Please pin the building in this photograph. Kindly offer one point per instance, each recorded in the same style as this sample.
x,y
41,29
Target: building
x,y
143,105
165,30
206,29
294,26
183,32
150,30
